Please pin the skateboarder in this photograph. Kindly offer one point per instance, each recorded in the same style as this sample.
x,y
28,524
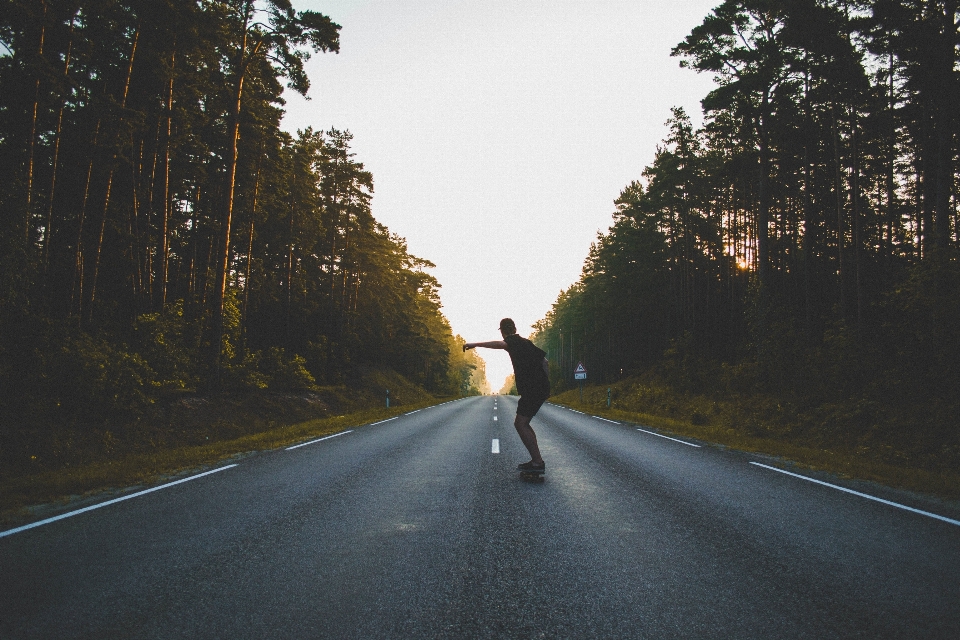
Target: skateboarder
x,y
533,383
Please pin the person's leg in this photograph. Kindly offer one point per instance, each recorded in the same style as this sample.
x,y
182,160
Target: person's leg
x,y
528,437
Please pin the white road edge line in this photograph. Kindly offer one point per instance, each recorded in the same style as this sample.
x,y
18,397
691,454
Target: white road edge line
x,y
303,444
495,447
689,444
411,413
862,495
605,420
382,421
10,532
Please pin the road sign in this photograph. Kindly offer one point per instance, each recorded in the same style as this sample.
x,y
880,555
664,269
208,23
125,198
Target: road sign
x,y
579,373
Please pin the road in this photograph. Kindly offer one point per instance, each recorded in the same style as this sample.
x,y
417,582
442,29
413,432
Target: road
x,y
415,528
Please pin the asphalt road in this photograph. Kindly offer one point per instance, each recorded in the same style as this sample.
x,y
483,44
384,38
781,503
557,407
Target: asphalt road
x,y
414,528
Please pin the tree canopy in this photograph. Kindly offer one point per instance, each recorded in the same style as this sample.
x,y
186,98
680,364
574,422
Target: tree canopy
x,y
160,233
804,242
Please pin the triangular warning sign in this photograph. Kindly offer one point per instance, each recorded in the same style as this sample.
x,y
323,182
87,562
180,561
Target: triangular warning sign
x,y
580,368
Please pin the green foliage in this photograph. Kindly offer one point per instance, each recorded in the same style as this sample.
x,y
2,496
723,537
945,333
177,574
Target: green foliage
x,y
90,377
921,329
467,371
163,339
509,387
795,261
57,375
278,371
161,237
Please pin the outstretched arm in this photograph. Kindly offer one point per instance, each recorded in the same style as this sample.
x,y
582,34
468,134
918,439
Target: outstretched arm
x,y
493,344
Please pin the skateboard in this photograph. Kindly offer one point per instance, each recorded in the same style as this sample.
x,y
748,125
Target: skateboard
x,y
531,476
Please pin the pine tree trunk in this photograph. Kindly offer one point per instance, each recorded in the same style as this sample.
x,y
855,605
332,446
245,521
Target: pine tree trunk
x,y
809,226
149,236
289,280
945,121
209,264
134,232
344,272
56,153
763,209
192,273
33,131
857,222
223,261
919,209
113,161
841,271
891,168
77,290
164,257
253,216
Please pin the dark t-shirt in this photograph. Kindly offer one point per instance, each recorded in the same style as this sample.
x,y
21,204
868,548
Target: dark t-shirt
x,y
527,358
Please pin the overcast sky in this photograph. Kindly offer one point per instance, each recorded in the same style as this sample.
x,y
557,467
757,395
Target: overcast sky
x,y
500,133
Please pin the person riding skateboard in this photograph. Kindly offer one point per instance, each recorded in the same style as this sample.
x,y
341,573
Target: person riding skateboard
x,y
532,374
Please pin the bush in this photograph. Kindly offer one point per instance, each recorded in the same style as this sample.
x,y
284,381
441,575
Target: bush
x,y
91,380
162,339
278,371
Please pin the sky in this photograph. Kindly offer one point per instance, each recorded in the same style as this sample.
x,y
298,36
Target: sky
x,y
499,134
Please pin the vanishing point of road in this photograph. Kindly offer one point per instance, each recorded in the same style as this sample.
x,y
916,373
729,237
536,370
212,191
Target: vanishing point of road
x,y
419,527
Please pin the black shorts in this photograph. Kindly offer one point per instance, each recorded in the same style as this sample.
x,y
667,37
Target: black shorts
x,y
529,405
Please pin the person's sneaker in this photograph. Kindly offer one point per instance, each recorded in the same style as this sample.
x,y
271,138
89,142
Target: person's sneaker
x,y
531,467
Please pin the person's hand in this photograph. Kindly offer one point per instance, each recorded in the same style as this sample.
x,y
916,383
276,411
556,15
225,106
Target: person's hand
x,y
467,346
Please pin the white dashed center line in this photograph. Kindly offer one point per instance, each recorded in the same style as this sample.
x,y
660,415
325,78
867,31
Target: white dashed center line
x,y
495,447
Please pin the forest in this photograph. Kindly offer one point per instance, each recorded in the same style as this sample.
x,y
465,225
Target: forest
x,y
790,268
161,236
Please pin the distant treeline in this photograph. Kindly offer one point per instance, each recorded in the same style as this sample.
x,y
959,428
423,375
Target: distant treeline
x,y
803,243
159,233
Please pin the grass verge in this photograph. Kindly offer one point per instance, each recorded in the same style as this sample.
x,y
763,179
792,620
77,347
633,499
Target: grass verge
x,y
838,461
17,495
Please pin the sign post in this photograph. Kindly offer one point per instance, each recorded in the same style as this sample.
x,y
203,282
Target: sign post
x,y
580,373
